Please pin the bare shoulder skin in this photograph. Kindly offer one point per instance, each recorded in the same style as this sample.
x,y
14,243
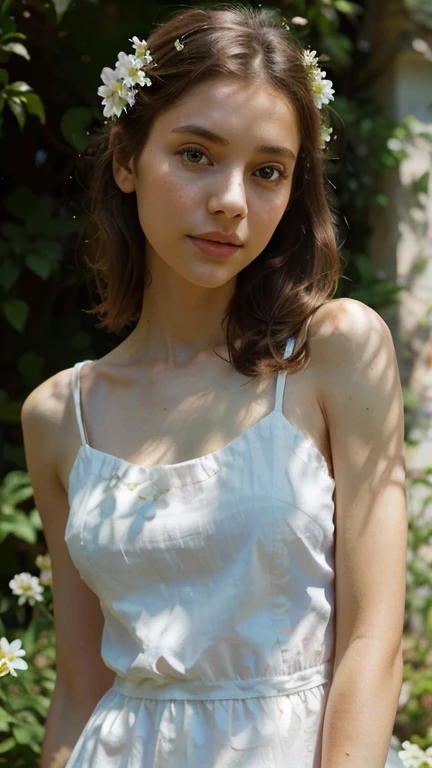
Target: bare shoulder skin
x,y
50,434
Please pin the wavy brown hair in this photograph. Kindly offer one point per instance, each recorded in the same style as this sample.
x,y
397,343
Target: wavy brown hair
x,y
275,295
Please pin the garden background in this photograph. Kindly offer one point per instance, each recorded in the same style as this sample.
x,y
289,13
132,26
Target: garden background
x,y
51,56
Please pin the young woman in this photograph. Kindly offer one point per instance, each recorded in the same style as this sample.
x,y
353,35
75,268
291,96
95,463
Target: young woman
x,y
223,493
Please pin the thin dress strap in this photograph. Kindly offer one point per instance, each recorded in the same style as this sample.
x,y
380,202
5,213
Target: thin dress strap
x,y
76,385
281,377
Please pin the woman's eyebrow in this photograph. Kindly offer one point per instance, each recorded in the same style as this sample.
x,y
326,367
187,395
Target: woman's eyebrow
x,y
204,133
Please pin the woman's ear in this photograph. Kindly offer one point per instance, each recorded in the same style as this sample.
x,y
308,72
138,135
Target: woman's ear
x,y
123,172
122,164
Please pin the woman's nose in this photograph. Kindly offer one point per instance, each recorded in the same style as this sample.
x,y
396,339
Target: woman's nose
x,y
229,197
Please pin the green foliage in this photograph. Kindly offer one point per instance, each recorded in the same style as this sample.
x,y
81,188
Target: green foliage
x,y
48,109
25,699
18,96
14,491
416,716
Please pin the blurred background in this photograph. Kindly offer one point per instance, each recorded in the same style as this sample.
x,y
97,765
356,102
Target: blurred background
x,y
379,56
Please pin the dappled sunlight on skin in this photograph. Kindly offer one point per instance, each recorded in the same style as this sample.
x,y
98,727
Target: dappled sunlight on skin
x,y
197,411
366,457
203,420
363,403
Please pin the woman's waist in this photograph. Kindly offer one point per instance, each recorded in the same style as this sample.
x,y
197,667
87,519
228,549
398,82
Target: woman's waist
x,y
234,688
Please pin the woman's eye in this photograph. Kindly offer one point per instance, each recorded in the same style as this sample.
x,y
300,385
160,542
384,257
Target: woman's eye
x,y
270,173
192,155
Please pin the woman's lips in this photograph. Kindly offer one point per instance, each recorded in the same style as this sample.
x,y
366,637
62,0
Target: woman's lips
x,y
213,248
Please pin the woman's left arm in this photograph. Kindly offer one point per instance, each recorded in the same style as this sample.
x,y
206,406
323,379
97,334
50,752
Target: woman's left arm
x,y
361,398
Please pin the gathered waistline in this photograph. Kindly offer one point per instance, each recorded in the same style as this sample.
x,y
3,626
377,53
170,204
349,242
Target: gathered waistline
x,y
187,690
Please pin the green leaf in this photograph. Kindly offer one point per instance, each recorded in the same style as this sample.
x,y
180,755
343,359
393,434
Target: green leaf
x,y
51,249
20,527
13,36
75,125
17,236
5,718
340,50
382,199
38,264
16,312
19,86
17,48
7,745
20,201
15,497
4,77
61,7
15,480
35,519
348,8
4,8
10,271
16,106
29,734
35,106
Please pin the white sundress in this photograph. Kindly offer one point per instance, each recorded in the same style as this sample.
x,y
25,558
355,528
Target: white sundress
x,y
216,582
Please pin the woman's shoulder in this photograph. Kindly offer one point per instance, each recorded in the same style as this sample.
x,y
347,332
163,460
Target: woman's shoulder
x,y
346,328
45,409
354,367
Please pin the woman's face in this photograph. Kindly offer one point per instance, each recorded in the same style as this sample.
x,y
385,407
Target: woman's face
x,y
217,166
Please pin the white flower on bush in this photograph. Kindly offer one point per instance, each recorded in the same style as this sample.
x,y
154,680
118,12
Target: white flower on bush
x,y
28,588
414,757
43,562
10,657
45,578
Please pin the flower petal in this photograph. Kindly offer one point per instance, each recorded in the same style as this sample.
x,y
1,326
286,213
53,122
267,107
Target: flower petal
x,y
19,664
15,645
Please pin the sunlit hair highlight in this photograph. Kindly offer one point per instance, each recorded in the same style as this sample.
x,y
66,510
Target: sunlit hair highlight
x,y
277,294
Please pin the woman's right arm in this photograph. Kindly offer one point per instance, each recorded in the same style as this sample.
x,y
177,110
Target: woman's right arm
x,y
51,438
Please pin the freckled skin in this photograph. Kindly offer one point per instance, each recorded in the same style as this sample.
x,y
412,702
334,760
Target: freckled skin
x,y
228,189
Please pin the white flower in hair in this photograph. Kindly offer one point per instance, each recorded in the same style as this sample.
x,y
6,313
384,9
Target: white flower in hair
x,y
116,94
326,133
311,58
129,69
141,50
117,90
323,89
